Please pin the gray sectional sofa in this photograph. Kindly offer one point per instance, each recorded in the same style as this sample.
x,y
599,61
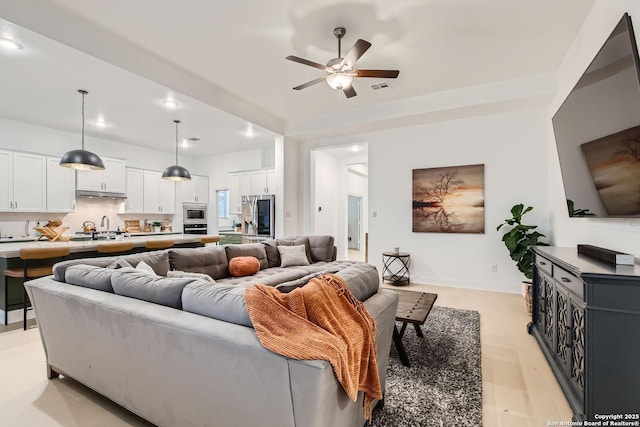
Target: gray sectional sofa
x,y
180,351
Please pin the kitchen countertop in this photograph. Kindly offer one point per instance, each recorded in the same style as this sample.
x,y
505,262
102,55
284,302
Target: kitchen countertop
x,y
12,250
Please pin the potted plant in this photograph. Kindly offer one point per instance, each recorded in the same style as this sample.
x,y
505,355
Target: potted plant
x,y
157,226
518,240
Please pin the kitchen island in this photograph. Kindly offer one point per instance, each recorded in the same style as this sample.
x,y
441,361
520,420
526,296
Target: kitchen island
x,y
10,258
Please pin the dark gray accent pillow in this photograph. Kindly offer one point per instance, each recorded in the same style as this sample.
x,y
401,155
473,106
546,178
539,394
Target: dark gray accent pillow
x,y
273,255
250,249
211,260
159,290
295,241
222,302
90,276
321,248
157,260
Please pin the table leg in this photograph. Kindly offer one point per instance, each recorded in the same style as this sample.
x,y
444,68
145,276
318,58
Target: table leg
x,y
418,330
397,339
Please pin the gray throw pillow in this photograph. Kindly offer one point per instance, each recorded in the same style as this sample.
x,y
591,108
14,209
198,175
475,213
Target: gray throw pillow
x,y
159,290
90,276
292,256
321,248
295,241
273,256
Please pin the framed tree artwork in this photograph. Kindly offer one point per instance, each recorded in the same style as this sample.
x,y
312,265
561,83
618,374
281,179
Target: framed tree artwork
x,y
449,199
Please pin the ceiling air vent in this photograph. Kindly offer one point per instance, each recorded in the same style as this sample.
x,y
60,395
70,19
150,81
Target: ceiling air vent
x,y
383,85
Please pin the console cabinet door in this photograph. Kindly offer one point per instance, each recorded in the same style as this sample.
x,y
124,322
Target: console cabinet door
x,y
577,353
549,314
562,328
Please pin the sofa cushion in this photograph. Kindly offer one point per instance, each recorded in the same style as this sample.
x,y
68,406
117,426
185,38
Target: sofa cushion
x,y
157,260
90,276
222,302
362,279
60,268
321,248
190,274
291,256
273,256
211,260
159,290
251,249
295,241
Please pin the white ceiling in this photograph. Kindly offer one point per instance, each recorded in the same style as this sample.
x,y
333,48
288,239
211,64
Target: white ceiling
x,y
230,55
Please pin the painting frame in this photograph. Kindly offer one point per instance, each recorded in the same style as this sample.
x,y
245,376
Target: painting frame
x,y
448,199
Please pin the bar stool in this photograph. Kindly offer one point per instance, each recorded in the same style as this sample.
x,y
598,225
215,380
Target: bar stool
x,y
209,239
32,272
114,248
158,244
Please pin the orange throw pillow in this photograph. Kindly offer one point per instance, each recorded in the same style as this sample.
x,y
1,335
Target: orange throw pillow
x,y
244,266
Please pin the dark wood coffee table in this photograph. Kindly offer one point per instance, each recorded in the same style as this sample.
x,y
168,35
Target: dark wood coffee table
x,y
414,307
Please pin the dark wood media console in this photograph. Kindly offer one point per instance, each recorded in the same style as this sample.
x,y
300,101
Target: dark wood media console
x,y
586,319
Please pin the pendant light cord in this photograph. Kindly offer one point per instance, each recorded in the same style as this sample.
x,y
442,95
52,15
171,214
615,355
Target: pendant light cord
x,y
83,94
176,122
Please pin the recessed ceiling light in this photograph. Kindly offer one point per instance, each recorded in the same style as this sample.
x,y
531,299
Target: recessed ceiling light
x,y
9,44
170,103
355,148
101,123
249,132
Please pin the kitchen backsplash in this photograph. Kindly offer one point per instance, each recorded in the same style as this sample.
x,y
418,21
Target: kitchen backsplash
x,y
13,224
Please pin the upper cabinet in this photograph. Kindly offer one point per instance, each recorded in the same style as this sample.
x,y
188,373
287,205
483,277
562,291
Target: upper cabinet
x,y
196,190
23,182
158,194
61,187
110,180
248,183
134,202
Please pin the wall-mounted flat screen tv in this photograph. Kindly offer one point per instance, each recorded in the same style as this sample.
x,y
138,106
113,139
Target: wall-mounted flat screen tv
x,y
597,132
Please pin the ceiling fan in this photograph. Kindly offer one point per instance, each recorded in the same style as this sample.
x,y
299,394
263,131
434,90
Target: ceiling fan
x,y
340,72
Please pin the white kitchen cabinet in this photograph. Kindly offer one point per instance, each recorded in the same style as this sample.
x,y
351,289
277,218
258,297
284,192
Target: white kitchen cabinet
x,y
158,194
61,187
259,182
134,202
272,185
24,179
196,190
110,180
235,193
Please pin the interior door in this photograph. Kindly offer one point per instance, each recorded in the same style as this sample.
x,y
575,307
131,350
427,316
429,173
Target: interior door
x,y
354,223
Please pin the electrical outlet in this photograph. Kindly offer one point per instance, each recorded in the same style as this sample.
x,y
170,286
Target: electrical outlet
x,y
494,268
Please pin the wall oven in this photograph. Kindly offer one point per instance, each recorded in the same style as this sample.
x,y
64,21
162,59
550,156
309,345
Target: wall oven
x,y
194,214
195,229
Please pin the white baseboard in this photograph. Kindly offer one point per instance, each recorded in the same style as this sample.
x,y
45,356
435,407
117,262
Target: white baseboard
x,y
15,316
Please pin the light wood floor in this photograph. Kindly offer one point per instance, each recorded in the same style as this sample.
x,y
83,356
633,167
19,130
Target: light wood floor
x,y
519,388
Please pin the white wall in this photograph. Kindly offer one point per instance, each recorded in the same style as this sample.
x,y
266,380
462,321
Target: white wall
x,y
619,234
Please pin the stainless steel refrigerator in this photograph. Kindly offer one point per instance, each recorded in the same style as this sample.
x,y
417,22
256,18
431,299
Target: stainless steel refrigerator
x,y
258,217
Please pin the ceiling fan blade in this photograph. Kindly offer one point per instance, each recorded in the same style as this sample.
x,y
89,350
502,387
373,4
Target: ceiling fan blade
x,y
358,49
306,62
349,92
311,83
383,74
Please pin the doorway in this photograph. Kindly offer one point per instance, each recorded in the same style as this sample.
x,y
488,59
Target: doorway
x,y
354,222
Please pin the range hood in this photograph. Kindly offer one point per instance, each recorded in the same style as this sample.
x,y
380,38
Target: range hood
x,y
100,194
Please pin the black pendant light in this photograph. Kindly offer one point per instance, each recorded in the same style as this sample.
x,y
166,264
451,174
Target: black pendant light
x,y
175,172
82,159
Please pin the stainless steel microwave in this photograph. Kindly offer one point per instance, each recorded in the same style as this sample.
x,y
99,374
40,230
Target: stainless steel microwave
x,y
195,214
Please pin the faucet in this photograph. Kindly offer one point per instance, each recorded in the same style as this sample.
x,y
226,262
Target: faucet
x,y
102,222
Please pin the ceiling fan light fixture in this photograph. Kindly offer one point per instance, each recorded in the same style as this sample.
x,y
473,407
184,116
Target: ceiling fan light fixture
x,y
176,172
339,81
81,159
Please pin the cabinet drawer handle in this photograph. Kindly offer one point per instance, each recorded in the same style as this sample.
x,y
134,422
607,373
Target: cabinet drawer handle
x,y
565,280
543,263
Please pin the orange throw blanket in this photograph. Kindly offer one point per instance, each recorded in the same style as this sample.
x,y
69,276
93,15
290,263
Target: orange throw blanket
x,y
321,320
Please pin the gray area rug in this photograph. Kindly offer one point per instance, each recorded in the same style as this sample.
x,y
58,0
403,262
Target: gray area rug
x,y
443,386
